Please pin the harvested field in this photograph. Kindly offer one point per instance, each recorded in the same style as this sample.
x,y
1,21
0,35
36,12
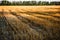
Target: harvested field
x,y
29,22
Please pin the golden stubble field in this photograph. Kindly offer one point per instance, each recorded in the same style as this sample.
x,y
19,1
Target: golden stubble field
x,y
31,8
29,22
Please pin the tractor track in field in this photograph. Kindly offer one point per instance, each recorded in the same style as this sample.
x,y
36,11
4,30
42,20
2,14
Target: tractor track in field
x,y
19,25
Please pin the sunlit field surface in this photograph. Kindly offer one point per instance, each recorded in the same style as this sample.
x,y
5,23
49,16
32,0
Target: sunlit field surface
x,y
29,22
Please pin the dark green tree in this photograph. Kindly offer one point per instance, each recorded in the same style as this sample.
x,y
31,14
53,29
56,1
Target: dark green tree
x,y
5,2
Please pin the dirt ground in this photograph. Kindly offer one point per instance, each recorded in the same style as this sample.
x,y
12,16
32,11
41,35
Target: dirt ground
x,y
29,22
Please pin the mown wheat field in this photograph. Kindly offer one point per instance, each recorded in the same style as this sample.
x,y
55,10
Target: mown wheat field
x,y
29,22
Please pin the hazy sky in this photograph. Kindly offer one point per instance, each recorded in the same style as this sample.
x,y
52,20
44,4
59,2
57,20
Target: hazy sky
x,y
31,0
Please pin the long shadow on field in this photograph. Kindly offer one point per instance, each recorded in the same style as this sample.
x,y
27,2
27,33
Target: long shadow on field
x,y
6,32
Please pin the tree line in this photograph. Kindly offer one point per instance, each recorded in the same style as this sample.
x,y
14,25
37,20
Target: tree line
x,y
29,3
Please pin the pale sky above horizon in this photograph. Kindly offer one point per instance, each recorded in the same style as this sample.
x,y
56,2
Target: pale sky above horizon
x,y
32,0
